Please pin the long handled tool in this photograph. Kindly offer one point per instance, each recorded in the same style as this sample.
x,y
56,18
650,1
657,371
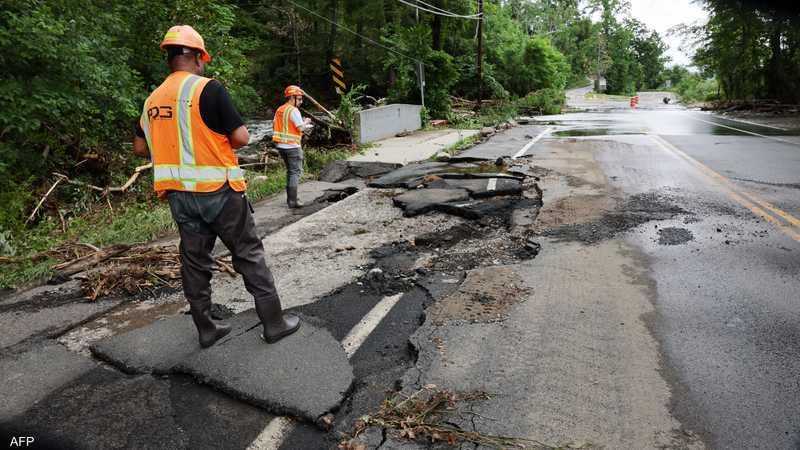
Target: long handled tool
x,y
316,103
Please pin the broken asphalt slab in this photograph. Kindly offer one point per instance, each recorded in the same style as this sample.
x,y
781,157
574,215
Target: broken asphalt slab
x,y
304,375
339,171
484,186
29,377
402,177
156,348
421,201
494,207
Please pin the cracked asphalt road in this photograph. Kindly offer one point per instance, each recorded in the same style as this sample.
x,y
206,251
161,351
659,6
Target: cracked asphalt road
x,y
651,302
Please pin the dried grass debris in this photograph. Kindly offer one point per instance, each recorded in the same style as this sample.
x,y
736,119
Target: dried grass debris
x,y
426,415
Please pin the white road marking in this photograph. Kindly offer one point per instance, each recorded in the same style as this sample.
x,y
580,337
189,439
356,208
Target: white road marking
x,y
271,438
492,184
745,131
531,143
750,122
361,332
273,434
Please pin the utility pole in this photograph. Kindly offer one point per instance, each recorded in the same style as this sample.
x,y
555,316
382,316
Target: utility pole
x,y
420,67
480,56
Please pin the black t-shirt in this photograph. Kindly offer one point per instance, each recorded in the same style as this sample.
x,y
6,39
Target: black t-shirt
x,y
216,110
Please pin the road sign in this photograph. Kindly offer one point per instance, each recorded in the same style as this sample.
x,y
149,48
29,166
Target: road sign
x,y
338,75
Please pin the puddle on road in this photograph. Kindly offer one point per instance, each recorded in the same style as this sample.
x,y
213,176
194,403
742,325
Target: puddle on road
x,y
595,132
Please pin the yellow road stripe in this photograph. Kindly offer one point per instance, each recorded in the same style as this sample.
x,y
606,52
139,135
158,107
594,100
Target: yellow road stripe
x,y
743,198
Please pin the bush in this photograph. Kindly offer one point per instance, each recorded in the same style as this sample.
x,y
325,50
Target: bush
x,y
694,88
543,101
349,107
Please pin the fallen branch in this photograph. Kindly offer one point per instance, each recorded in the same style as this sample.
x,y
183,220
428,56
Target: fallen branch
x,y
132,179
35,210
106,190
90,260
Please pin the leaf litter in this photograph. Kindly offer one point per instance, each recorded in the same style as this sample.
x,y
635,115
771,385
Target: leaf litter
x,y
424,416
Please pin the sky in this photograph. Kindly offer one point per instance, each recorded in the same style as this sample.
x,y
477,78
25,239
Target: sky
x,y
660,15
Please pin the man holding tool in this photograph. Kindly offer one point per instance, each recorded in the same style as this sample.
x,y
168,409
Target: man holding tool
x,y
287,133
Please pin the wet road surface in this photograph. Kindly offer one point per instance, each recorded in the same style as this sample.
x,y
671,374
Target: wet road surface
x,y
726,270
662,312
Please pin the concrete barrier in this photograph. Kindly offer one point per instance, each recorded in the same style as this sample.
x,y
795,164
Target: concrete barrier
x,y
386,121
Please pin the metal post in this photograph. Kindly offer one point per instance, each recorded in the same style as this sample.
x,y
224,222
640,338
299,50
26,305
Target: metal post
x,y
422,83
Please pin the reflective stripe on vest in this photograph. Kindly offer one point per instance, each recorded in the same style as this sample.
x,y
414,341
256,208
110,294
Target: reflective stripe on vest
x,y
185,140
284,130
164,172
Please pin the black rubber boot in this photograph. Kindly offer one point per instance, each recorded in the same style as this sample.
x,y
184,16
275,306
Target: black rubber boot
x,y
277,325
209,332
291,198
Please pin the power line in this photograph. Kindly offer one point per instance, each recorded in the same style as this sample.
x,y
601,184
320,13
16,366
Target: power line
x,y
355,33
446,12
437,8
443,12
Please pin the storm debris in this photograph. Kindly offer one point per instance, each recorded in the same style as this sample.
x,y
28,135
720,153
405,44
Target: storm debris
x,y
425,416
135,270
339,171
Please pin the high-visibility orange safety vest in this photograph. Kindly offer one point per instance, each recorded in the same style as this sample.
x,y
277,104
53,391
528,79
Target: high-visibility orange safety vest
x,y
186,154
284,131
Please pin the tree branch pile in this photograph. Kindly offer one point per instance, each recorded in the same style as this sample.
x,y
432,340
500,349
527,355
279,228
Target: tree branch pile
x,y
117,269
425,416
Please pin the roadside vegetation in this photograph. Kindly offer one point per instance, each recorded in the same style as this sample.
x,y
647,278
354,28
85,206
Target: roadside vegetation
x,y
138,219
75,118
746,52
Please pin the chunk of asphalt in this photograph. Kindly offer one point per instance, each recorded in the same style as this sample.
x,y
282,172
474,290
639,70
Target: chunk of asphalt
x,y
369,169
483,187
343,170
155,348
401,176
421,201
477,209
31,376
477,175
304,375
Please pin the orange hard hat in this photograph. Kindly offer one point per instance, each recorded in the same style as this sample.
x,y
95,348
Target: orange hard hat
x,y
186,36
292,90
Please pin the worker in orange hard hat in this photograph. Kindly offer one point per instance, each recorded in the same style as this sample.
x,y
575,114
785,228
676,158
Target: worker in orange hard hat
x,y
191,128
287,133
186,36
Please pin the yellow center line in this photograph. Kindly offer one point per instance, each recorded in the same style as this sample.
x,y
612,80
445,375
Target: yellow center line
x,y
748,200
